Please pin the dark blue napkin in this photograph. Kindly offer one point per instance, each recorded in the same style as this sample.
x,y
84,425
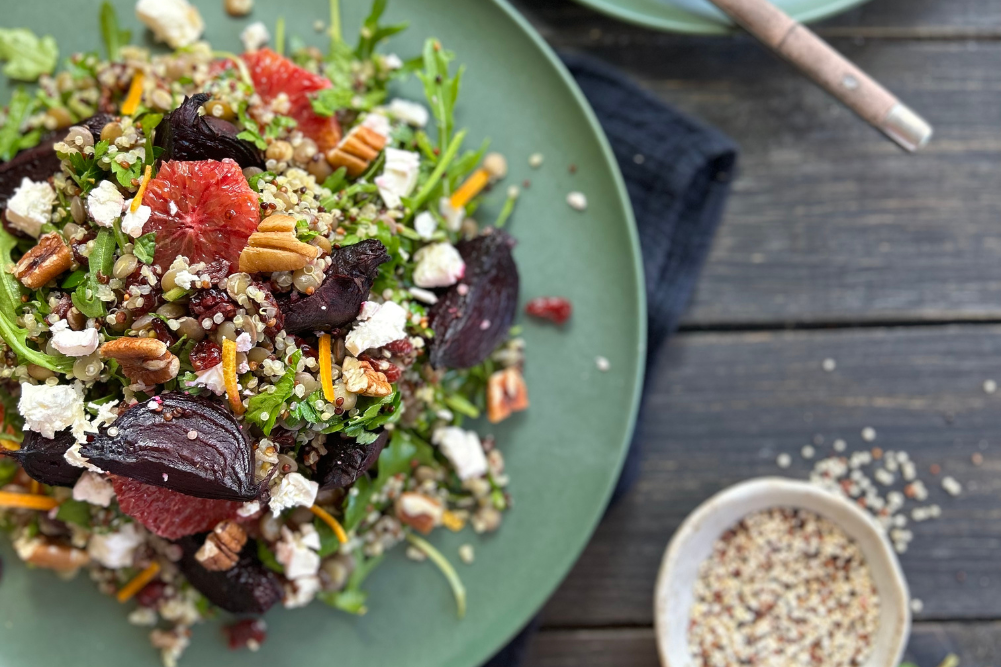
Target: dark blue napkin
x,y
678,174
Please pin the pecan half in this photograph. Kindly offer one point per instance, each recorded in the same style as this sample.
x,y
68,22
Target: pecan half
x,y
361,378
44,262
222,547
274,247
420,512
356,151
506,393
41,552
143,360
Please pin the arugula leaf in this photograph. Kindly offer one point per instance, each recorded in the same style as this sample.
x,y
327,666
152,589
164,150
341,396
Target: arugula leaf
x,y
22,106
254,180
76,512
268,559
73,279
329,542
10,300
329,100
250,131
277,124
352,598
372,33
27,56
145,247
101,260
403,448
336,180
357,504
441,90
263,409
8,470
114,37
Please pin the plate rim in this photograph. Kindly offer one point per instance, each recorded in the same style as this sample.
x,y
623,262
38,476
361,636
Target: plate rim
x,y
691,24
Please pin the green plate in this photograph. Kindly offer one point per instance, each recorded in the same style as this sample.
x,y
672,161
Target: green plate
x,y
563,455
701,17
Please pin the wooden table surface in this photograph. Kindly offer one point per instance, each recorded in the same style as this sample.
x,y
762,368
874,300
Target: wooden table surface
x,y
835,245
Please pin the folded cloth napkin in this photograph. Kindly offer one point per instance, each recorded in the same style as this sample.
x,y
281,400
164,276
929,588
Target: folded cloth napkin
x,y
678,174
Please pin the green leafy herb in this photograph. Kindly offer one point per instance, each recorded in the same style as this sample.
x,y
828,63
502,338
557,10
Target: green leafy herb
x,y
336,180
114,37
372,33
458,589
507,209
127,174
268,559
329,542
264,408
251,132
418,200
100,261
73,279
329,100
8,469
254,180
440,89
352,598
402,450
358,502
304,409
145,247
75,512
27,56
85,170
22,106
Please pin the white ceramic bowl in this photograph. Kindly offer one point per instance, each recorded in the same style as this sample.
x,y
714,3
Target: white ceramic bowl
x,y
693,543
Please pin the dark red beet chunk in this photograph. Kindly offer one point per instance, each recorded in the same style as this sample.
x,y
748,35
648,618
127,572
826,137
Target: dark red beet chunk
x,y
185,135
187,444
470,322
246,588
346,285
553,308
346,460
240,634
170,514
205,354
43,459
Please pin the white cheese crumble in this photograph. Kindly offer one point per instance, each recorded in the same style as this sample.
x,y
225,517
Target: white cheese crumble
x,y
115,550
185,279
254,36
244,343
50,408
94,489
78,460
30,207
210,378
297,551
453,216
133,223
175,22
249,509
105,204
399,176
412,113
423,295
425,225
381,327
463,449
577,201
293,491
74,343
300,592
438,265
378,124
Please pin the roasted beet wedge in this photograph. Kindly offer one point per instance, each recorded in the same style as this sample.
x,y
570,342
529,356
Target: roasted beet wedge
x,y
184,443
246,588
469,326
346,460
43,458
339,299
185,135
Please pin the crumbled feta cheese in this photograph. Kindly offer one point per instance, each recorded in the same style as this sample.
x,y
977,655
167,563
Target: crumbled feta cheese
x,y
300,592
399,176
50,408
438,265
175,22
412,113
244,343
105,204
453,216
74,343
115,550
30,206
78,460
143,616
210,378
466,554
378,123
185,279
392,61
425,225
133,223
254,36
297,551
382,327
423,295
463,449
293,491
107,413
368,309
249,508
94,489
577,201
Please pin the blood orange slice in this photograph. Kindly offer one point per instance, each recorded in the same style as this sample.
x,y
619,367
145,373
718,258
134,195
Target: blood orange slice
x,y
204,210
272,75
170,514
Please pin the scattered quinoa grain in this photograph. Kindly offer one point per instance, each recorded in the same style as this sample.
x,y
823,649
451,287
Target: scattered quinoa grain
x,y
466,554
577,201
808,451
535,160
840,445
990,386
829,364
783,460
868,434
602,363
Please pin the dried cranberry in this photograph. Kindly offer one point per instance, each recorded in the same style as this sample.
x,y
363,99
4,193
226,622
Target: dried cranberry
x,y
149,301
284,438
240,634
151,594
205,354
270,313
308,349
63,306
402,347
390,370
163,333
206,304
553,308
216,270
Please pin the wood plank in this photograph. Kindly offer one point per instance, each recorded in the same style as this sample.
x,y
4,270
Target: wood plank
x,y
721,407
828,222
975,644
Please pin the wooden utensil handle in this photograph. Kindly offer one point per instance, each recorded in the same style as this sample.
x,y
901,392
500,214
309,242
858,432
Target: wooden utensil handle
x,y
828,68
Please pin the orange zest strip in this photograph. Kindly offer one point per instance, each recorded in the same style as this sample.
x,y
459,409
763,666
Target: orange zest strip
x,y
135,95
334,524
35,488
10,444
229,375
27,501
476,182
138,582
326,376
138,199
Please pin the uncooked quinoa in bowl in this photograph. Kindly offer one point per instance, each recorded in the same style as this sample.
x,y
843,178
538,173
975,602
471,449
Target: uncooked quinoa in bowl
x,y
247,317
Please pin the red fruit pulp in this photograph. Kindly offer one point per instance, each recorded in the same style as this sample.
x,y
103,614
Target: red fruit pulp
x,y
170,514
214,211
553,308
273,74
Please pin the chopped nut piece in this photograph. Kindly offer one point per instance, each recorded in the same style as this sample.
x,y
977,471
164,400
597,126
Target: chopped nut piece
x,y
144,360
356,150
420,512
274,247
44,262
506,393
222,547
361,378
41,552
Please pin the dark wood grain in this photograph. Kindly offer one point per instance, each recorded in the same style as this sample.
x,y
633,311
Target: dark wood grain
x,y
975,644
721,407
